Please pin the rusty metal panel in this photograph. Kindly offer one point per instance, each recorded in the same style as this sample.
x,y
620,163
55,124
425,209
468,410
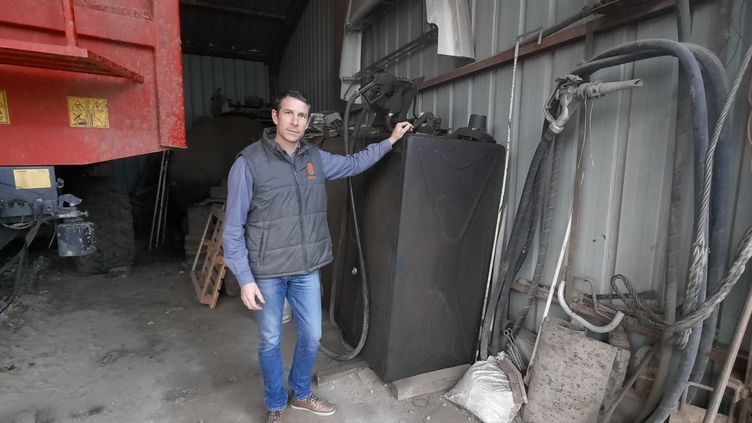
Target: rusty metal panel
x,y
145,113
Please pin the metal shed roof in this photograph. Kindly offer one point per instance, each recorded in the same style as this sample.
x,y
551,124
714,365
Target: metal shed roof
x,y
253,30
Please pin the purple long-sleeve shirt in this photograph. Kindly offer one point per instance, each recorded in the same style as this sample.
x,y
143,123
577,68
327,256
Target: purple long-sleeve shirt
x,y
240,195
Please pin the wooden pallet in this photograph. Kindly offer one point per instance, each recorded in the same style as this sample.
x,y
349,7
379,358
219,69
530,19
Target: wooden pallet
x,y
207,280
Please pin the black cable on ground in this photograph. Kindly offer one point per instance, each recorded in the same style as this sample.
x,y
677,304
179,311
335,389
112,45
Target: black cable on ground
x,y
20,259
720,222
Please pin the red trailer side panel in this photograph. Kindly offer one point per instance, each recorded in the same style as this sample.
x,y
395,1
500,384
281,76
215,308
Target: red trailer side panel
x,y
117,92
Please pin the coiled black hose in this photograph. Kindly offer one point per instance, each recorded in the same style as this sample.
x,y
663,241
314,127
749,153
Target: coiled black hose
x,y
361,259
21,262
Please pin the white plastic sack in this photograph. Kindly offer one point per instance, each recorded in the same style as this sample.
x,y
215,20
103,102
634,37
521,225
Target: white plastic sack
x,y
492,390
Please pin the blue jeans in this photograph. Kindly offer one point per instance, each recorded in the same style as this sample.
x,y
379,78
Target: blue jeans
x,y
303,294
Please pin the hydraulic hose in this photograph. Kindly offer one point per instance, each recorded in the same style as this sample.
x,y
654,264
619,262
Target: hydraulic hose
x,y
696,288
20,259
338,265
720,223
516,246
361,259
696,88
528,221
683,20
714,76
339,259
547,197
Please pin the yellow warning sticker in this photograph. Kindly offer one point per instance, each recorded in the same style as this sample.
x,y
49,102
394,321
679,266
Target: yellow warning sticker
x,y
4,115
87,112
32,178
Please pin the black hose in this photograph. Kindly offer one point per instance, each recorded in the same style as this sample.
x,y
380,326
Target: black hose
x,y
530,217
683,20
615,56
18,281
21,261
716,79
339,259
714,76
338,264
546,196
515,252
361,259
720,221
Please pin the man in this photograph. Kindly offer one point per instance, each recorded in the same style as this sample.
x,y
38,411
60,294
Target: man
x,y
276,239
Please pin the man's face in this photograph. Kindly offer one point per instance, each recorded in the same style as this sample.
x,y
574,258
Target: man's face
x,y
291,120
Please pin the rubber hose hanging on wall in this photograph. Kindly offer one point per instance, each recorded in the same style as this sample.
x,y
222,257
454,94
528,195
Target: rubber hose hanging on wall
x,y
361,258
720,220
720,225
717,229
517,246
716,80
547,199
680,377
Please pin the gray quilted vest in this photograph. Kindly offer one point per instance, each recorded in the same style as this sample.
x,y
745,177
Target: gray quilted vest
x,y
286,232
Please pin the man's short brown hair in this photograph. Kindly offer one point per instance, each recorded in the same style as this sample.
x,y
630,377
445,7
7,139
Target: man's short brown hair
x,y
296,94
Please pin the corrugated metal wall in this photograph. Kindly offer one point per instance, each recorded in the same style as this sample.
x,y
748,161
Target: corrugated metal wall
x,y
623,225
202,75
308,63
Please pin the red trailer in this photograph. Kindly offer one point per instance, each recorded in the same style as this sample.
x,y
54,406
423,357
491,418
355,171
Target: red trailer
x,y
82,81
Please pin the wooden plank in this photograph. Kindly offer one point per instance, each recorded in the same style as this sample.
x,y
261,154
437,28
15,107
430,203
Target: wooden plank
x,y
208,281
326,376
428,383
688,413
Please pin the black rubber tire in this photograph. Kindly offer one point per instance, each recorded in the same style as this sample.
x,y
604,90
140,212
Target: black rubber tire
x,y
109,209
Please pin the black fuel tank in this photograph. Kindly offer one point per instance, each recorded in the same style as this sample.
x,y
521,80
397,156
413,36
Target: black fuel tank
x,y
428,214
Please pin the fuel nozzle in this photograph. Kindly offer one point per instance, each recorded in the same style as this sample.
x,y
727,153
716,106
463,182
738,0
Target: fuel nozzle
x,y
571,90
598,89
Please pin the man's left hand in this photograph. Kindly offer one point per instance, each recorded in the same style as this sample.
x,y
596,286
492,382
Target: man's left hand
x,y
399,130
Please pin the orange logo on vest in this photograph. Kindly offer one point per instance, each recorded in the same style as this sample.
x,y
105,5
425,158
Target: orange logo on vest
x,y
311,176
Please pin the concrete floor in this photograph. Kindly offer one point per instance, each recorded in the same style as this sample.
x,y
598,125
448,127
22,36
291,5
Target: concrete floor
x,y
141,349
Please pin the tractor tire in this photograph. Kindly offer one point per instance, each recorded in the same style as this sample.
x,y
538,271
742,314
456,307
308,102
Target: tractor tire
x,y
109,210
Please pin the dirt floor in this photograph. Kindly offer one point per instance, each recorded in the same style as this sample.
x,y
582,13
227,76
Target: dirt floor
x,y
140,348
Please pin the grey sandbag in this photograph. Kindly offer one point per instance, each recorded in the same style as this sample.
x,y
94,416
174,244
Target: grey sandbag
x,y
492,390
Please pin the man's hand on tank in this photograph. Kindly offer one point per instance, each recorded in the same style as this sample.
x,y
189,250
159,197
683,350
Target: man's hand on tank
x,y
399,130
251,296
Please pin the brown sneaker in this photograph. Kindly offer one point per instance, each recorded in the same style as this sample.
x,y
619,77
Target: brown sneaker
x,y
274,416
314,404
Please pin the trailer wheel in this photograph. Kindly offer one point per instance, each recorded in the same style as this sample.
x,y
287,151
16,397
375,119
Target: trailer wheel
x,y
109,209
